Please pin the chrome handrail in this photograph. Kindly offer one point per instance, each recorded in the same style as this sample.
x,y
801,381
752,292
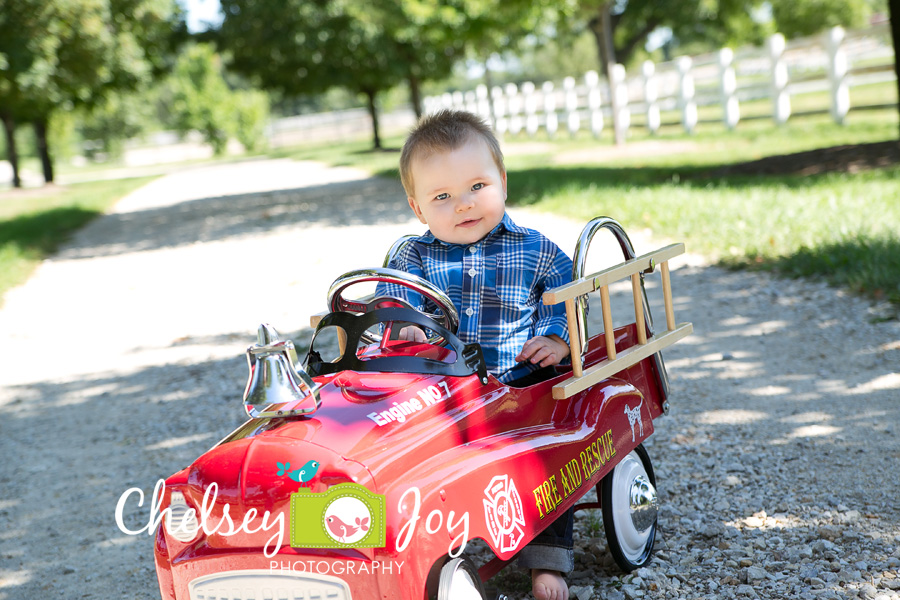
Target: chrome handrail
x,y
396,247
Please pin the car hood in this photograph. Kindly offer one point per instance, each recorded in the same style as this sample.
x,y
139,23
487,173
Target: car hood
x,y
377,418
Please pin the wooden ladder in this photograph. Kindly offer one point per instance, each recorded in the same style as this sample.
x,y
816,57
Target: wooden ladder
x,y
582,379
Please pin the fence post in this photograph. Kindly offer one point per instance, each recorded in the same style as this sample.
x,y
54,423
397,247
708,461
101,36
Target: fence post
x,y
551,121
781,99
686,94
471,104
572,118
728,87
484,106
620,89
651,95
458,102
837,74
531,119
514,106
499,110
592,80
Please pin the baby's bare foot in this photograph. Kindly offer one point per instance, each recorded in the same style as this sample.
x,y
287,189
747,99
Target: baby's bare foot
x,y
548,585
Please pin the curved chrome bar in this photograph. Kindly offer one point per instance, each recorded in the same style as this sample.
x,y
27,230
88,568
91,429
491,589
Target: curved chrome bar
x,y
579,260
336,301
396,247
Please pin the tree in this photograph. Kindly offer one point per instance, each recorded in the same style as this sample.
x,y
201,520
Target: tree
x,y
424,34
198,98
61,54
807,17
300,48
894,8
23,60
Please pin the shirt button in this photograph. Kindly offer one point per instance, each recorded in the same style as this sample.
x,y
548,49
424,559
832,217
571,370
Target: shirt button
x,y
472,272
473,249
470,311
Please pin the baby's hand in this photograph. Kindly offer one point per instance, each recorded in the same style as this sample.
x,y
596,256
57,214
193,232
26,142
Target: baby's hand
x,y
411,333
543,350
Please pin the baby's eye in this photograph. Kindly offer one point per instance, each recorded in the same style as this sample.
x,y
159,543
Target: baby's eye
x,y
443,196
477,186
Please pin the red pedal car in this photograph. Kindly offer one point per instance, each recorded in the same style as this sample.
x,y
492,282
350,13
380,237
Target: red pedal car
x,y
364,475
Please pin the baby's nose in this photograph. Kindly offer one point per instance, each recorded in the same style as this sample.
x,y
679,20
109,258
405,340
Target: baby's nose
x,y
466,201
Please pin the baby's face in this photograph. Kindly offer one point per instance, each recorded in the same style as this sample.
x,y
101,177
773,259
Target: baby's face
x,y
460,194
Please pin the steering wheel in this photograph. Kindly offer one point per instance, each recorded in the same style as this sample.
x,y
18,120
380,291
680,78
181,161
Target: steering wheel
x,y
448,317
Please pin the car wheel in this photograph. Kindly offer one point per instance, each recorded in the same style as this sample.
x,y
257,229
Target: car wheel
x,y
460,581
630,509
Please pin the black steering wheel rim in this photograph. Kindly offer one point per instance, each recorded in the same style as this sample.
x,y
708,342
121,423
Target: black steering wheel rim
x,y
469,358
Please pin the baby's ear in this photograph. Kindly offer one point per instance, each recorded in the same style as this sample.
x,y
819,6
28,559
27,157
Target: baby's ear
x,y
415,208
503,178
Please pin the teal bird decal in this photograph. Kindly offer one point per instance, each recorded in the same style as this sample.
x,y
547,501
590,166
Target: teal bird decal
x,y
302,475
305,473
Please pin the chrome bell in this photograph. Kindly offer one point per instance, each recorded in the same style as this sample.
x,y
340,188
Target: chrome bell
x,y
278,385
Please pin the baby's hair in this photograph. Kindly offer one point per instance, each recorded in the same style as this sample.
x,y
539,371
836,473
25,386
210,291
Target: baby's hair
x,y
443,131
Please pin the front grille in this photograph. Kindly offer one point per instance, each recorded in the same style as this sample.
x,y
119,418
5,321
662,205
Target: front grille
x,y
268,585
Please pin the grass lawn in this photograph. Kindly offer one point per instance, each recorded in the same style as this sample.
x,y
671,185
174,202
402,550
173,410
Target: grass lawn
x,y
34,222
839,226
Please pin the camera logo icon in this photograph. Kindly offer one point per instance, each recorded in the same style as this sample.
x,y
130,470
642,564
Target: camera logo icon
x,y
346,516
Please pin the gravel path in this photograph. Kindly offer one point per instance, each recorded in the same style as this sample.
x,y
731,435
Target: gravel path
x,y
123,360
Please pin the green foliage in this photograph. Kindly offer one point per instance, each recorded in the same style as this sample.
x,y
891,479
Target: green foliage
x,y
299,47
62,54
63,134
32,226
197,97
862,263
119,116
799,18
703,25
251,116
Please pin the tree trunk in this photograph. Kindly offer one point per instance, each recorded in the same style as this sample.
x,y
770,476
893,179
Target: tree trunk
x,y
894,12
12,155
40,134
602,27
373,112
596,26
415,95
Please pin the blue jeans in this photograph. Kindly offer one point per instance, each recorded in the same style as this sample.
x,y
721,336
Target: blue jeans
x,y
552,549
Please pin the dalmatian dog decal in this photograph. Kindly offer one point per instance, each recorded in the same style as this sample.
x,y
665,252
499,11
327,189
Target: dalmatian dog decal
x,y
634,416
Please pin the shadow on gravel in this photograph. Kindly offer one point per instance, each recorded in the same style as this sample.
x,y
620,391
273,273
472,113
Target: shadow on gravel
x,y
776,444
364,202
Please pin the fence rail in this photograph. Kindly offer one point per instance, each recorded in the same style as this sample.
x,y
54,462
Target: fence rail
x,y
832,62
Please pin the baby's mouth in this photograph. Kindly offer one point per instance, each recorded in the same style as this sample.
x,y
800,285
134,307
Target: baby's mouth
x,y
469,223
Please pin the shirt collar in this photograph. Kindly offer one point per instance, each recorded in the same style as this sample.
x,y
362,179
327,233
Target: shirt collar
x,y
505,224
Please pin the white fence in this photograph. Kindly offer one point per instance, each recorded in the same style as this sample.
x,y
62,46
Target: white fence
x,y
335,126
764,80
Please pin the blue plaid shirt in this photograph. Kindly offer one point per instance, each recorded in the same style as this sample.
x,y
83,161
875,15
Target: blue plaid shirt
x,y
496,285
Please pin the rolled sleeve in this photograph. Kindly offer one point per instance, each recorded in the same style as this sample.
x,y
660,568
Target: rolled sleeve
x,y
551,320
